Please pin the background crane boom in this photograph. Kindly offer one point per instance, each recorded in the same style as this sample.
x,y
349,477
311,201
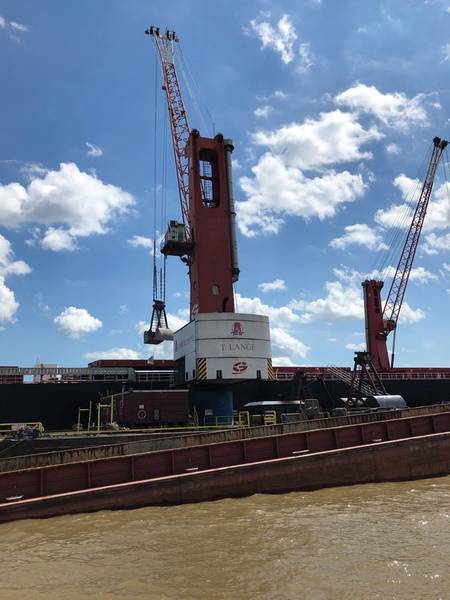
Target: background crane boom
x,y
399,282
381,321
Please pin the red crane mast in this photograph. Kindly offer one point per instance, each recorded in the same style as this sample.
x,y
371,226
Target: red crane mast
x,y
379,323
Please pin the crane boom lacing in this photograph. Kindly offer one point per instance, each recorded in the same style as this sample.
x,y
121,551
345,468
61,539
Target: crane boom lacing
x,y
397,290
177,115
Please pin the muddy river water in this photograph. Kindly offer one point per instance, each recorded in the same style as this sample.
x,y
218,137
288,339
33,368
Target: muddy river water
x,y
382,541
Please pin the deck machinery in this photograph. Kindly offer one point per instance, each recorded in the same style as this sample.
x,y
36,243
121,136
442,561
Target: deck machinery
x,y
218,344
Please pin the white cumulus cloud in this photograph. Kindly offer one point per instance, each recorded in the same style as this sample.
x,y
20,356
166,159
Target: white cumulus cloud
x,y
334,137
263,112
410,315
114,353
9,266
279,185
8,302
94,150
306,58
13,28
436,243
139,241
284,342
281,37
276,191
417,274
344,298
356,347
359,234
339,303
271,286
400,215
281,316
392,149
76,322
392,109
57,240
282,361
446,52
70,201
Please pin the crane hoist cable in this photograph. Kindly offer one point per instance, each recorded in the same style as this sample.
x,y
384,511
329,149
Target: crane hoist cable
x,y
193,89
155,186
394,240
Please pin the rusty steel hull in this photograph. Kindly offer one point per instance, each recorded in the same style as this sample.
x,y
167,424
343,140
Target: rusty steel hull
x,y
424,456
386,450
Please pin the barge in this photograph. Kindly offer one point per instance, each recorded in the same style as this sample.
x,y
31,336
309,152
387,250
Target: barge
x,y
387,450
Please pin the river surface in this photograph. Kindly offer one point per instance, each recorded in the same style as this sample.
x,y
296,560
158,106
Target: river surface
x,y
382,541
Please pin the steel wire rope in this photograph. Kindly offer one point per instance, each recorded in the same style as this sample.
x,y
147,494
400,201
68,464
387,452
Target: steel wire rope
x,y
411,199
155,188
164,205
194,101
446,166
196,93
400,223
395,233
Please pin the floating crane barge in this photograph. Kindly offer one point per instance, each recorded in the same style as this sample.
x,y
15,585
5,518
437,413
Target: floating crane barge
x,y
222,361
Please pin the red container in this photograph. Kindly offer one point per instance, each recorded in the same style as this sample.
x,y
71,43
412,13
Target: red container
x,y
150,407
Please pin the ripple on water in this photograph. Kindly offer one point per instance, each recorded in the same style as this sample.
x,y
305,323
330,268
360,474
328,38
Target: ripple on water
x,y
372,541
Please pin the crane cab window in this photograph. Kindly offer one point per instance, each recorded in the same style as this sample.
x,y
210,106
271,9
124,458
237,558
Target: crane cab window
x,y
209,181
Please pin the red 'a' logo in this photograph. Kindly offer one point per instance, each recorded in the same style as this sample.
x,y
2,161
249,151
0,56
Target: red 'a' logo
x,y
237,329
240,367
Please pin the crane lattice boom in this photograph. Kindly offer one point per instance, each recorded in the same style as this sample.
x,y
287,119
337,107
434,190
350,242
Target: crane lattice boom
x,y
177,115
398,286
381,321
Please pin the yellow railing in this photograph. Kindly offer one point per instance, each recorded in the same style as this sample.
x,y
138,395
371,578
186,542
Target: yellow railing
x,y
110,406
84,410
243,418
270,417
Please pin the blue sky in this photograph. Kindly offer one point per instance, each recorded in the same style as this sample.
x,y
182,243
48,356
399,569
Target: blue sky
x,y
332,107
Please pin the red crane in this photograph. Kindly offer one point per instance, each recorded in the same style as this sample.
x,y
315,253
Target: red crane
x,y
381,321
206,238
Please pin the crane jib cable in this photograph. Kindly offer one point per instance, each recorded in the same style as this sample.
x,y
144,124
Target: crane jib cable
x,y
155,188
397,289
395,238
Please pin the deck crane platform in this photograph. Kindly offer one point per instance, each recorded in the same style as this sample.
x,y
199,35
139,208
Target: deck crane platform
x,y
379,322
205,240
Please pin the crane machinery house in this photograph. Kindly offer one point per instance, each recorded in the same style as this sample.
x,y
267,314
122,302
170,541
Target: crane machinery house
x,y
223,346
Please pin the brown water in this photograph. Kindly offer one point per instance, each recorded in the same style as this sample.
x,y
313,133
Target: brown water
x,y
373,541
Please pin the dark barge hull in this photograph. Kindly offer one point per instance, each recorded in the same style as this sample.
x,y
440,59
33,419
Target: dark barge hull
x,y
416,392
56,405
